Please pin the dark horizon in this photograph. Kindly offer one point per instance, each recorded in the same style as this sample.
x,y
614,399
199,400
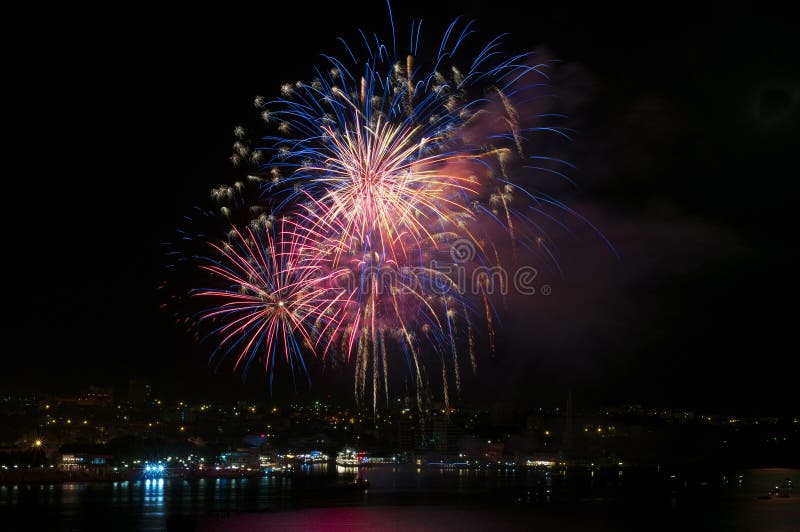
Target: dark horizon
x,y
121,123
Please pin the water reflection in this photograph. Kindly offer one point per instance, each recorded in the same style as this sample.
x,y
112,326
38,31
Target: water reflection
x,y
153,500
151,503
316,469
348,470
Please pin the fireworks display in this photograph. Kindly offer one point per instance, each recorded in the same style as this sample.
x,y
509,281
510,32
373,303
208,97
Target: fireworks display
x,y
272,298
385,192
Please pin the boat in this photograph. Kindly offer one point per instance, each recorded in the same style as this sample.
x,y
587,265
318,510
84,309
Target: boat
x,y
783,491
359,483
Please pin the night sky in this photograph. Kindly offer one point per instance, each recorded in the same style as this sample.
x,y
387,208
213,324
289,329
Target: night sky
x,y
687,129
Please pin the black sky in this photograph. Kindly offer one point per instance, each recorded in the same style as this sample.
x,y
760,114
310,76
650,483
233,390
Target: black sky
x,y
118,121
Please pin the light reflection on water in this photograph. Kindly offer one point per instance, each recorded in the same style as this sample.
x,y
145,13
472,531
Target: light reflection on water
x,y
153,500
151,503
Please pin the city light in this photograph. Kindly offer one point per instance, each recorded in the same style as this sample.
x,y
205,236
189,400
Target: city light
x,y
154,470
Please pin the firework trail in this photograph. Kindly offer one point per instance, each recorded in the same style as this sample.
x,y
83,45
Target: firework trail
x,y
379,168
274,301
